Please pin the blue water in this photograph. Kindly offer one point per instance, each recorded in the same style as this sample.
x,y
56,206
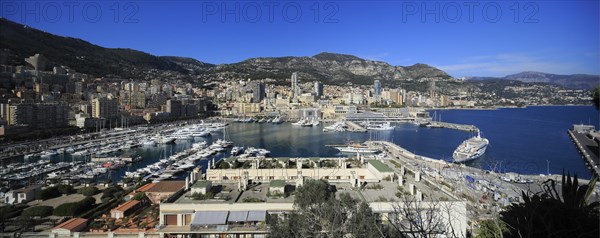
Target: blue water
x,y
521,139
525,139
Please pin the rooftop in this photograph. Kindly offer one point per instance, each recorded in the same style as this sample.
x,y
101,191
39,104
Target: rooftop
x,y
202,184
381,167
146,187
29,188
167,186
71,224
277,183
126,206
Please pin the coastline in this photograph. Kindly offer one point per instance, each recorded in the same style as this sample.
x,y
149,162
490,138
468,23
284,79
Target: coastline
x,y
504,107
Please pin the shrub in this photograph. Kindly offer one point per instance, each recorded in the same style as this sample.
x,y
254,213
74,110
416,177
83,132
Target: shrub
x,y
139,196
65,189
48,193
88,191
112,192
200,196
7,212
251,199
375,186
38,211
75,208
118,194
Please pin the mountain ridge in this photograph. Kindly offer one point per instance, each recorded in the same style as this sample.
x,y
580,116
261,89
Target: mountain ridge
x,y
576,81
18,41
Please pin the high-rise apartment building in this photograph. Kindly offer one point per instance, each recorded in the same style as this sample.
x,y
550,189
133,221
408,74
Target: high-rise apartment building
x,y
105,108
377,88
318,89
295,86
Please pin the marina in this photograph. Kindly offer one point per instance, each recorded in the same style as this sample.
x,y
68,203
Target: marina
x,y
108,159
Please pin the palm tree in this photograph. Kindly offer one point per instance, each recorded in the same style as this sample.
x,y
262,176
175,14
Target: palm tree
x,y
553,214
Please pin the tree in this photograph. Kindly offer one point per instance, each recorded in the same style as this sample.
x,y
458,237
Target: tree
x,y
65,189
38,211
493,228
319,214
111,192
88,191
139,196
75,208
27,223
48,193
364,222
596,96
314,192
432,218
553,214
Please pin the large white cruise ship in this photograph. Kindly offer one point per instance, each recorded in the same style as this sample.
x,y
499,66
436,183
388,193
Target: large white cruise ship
x,y
470,149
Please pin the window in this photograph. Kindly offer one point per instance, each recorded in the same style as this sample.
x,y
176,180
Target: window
x,y
187,219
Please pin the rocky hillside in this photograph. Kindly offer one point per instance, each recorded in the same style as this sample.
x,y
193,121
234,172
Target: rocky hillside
x,y
18,42
577,81
326,67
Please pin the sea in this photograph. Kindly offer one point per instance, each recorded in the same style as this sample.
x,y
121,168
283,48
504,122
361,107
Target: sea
x,y
530,140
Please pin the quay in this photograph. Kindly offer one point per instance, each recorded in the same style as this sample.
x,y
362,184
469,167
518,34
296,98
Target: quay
x,y
353,127
462,127
588,149
401,152
450,177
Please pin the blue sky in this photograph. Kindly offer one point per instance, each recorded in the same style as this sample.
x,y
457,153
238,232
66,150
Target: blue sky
x,y
492,38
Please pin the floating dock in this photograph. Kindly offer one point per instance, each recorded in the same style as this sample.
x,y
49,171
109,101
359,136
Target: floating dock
x,y
588,149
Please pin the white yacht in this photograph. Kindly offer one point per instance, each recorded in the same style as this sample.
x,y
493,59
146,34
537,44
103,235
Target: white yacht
x,y
224,143
148,143
470,149
276,120
339,126
236,150
357,148
299,123
48,153
315,122
381,127
164,139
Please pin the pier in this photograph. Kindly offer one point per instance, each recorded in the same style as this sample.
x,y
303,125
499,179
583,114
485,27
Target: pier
x,y
401,152
353,127
462,127
588,149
